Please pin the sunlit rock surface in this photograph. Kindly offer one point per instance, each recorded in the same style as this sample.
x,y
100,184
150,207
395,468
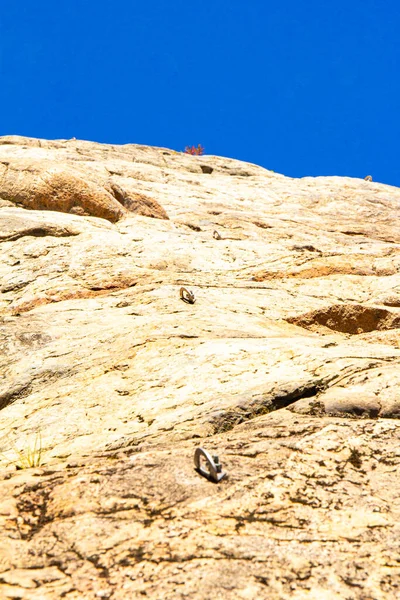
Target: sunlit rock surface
x,y
287,366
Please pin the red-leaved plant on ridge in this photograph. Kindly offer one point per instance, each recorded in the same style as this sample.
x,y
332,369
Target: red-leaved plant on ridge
x,y
194,151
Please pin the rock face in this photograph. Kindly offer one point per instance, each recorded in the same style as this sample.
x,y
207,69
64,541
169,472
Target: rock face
x,y
37,179
287,366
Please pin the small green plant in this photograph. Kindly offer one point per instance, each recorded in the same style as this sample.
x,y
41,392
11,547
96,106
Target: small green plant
x,y
195,151
29,457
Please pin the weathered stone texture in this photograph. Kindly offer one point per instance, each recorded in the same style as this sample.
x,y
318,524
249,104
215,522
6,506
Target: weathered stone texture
x,y
287,366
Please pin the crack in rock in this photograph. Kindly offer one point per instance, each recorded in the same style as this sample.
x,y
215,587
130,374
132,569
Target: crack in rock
x,y
263,404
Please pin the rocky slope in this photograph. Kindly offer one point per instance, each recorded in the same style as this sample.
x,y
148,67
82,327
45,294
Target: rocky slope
x,y
286,365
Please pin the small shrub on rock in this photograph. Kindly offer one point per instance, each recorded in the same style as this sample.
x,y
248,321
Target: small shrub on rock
x,y
195,151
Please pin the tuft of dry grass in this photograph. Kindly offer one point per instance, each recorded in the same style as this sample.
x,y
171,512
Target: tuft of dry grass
x,y
30,456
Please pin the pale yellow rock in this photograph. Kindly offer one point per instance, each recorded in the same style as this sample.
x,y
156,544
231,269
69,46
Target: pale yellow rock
x,y
45,185
38,178
286,366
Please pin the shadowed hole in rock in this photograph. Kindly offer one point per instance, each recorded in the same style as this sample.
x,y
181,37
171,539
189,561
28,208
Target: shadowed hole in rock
x,y
193,227
206,169
353,232
236,171
41,232
349,318
306,247
263,404
262,225
15,393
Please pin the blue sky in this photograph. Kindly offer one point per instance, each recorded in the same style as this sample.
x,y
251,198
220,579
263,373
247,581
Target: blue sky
x,y
303,87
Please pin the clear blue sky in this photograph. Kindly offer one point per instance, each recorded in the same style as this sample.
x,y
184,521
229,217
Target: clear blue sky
x,y
303,87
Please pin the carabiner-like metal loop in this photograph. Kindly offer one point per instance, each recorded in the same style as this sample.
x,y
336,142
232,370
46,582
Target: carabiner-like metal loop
x,y
214,466
187,296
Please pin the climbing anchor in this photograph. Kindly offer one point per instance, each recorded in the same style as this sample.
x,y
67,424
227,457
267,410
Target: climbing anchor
x,y
214,472
187,296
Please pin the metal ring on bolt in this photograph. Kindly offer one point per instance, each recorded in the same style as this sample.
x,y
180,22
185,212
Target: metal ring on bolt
x,y
187,295
214,472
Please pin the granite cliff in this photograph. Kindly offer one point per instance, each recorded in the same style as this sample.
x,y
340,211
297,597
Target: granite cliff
x,y
287,366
